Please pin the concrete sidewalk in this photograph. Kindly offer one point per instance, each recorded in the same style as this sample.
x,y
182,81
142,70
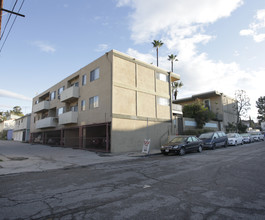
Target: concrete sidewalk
x,y
16,157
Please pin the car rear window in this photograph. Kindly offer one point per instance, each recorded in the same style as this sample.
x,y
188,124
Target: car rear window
x,y
206,135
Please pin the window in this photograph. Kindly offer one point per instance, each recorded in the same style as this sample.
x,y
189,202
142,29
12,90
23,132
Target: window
x,y
84,80
162,101
60,90
162,77
60,110
93,102
83,105
207,104
74,108
53,94
94,74
76,84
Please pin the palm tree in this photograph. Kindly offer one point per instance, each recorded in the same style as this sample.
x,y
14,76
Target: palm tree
x,y
157,44
175,86
172,58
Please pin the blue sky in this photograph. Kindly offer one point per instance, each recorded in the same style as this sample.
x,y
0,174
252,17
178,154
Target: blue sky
x,y
220,44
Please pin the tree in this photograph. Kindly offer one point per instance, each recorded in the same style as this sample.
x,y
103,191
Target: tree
x,y
260,104
157,44
17,111
242,105
197,111
175,86
172,58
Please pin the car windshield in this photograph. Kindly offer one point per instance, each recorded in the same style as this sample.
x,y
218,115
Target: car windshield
x,y
231,135
206,135
178,140
245,135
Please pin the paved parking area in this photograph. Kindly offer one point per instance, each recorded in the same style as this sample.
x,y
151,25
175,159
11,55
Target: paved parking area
x,y
16,157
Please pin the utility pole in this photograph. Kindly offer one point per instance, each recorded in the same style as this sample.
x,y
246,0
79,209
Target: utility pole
x,y
11,12
1,6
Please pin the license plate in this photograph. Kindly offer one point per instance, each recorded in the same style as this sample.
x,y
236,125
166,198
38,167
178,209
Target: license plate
x,y
167,150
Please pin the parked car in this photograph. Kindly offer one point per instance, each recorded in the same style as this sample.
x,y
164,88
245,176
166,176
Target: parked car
x,y
261,136
257,136
212,140
181,145
247,138
234,139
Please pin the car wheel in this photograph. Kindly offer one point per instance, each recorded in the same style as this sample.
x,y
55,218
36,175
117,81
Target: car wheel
x,y
235,143
182,151
200,149
225,145
213,147
165,153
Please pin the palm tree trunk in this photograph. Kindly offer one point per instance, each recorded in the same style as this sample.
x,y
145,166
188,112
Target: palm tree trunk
x,y
157,56
171,65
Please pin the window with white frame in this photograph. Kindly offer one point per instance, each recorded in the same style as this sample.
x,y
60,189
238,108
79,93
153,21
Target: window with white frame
x,y
162,77
162,101
53,94
83,105
93,102
84,80
94,74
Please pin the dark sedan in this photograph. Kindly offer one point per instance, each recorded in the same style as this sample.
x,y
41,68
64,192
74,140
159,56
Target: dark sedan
x,y
181,145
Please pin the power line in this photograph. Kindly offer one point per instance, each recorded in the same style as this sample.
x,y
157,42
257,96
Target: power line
x,y
12,24
8,20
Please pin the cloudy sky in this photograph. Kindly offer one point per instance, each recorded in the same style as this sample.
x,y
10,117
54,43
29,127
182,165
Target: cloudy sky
x,y
220,44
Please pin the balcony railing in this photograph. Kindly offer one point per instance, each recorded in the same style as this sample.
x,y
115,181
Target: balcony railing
x,y
47,122
177,109
68,118
44,105
70,94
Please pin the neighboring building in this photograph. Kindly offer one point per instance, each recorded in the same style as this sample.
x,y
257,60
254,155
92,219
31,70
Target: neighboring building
x,y
217,102
111,105
8,124
21,131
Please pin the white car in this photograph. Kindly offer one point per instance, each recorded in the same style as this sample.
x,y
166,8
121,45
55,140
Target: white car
x,y
247,138
234,139
257,136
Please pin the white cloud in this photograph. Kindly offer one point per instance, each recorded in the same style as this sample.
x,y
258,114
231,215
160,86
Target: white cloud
x,y
102,47
8,94
166,16
257,28
44,46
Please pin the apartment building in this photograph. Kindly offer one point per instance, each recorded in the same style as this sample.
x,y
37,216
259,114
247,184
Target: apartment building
x,y
110,105
21,131
219,103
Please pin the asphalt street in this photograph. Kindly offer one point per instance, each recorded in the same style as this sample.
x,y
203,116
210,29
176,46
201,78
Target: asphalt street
x,y
226,183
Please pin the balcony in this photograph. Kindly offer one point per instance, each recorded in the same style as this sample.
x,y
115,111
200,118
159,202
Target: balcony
x,y
41,106
70,94
177,109
68,118
49,122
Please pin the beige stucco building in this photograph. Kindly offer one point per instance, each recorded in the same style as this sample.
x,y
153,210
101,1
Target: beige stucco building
x,y
111,105
219,103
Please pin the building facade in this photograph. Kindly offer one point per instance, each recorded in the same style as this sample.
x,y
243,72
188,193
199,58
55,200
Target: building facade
x,y
219,103
111,105
21,131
